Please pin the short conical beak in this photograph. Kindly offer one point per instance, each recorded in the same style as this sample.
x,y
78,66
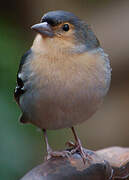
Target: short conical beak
x,y
44,29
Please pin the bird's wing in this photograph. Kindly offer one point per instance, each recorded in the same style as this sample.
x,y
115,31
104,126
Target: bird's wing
x,y
19,90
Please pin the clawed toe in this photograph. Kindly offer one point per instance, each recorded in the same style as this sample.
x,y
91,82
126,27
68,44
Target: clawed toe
x,y
73,148
70,144
77,148
58,154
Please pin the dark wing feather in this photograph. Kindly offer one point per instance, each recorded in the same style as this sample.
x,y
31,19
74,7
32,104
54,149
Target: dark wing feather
x,y
19,90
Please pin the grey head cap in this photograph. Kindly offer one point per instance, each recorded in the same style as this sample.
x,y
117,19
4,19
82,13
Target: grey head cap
x,y
83,33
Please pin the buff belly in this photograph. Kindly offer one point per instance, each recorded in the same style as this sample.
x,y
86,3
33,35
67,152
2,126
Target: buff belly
x,y
63,95
51,108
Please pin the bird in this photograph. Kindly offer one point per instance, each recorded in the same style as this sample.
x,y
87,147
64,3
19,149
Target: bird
x,y
63,78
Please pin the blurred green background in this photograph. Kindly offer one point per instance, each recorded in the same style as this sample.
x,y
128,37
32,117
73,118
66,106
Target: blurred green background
x,y
22,146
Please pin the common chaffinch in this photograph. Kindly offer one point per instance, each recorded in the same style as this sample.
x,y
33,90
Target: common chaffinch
x,y
63,78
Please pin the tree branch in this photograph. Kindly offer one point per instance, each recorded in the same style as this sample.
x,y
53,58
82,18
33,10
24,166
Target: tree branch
x,y
110,163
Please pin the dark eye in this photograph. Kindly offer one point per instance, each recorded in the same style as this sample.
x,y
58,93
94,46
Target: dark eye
x,y
65,27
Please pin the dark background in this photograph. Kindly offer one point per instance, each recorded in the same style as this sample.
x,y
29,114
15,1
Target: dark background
x,y
22,146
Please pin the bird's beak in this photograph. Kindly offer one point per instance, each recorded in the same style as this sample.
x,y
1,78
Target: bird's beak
x,y
44,29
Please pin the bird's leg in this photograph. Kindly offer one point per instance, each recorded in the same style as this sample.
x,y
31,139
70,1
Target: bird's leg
x,y
78,147
77,143
50,152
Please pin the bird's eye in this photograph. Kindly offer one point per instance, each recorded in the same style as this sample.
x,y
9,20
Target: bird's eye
x,y
65,27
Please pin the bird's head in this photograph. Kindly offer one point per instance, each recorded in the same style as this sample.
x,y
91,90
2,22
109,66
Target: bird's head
x,y
64,30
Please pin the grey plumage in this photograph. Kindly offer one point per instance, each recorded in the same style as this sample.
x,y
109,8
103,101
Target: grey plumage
x,y
62,95
63,79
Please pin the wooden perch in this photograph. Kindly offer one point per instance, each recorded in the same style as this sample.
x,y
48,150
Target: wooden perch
x,y
111,163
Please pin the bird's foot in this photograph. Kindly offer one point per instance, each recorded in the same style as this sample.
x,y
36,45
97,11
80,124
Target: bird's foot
x,y
77,147
70,144
63,154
